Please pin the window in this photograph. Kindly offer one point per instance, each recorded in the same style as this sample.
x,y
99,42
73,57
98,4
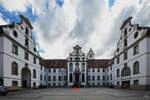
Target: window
x,y
34,60
34,49
49,78
125,71
89,78
93,70
70,77
136,50
83,78
44,69
26,56
59,84
130,29
135,35
107,77
118,83
59,78
54,78
118,60
103,70
41,76
54,70
98,70
27,31
70,67
136,68
125,43
21,27
15,34
70,59
83,59
34,73
65,78
93,78
110,67
98,78
125,55
34,83
103,78
41,67
26,42
50,70
118,73
14,49
117,49
125,32
44,77
136,82
14,68
110,76
14,83
83,67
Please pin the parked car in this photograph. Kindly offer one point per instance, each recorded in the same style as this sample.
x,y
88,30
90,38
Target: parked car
x,y
3,90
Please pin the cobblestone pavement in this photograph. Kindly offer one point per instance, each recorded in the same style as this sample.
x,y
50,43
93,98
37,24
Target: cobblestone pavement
x,y
82,94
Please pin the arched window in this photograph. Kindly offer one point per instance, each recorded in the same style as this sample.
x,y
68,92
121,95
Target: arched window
x,y
125,71
34,73
136,68
14,68
70,67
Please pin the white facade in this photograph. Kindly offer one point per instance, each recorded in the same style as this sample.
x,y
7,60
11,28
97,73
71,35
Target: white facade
x,y
137,51
12,52
129,68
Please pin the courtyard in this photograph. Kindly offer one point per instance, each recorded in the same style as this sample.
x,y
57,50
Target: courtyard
x,y
82,94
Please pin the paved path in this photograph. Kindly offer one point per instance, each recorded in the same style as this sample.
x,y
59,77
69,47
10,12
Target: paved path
x,y
82,94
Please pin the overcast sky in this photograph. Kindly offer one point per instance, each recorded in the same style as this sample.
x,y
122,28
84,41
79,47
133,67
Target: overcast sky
x,y
60,24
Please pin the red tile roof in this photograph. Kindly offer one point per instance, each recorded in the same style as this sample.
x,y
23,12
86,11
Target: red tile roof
x,y
54,63
98,63
62,63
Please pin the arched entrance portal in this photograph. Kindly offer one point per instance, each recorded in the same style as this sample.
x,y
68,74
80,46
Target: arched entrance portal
x,y
26,78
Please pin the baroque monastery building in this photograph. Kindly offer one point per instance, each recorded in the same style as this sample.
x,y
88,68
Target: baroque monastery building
x,y
22,67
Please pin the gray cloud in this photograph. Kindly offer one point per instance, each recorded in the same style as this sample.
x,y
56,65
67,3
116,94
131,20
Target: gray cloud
x,y
87,12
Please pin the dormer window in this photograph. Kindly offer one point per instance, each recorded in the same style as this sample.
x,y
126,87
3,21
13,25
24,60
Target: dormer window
x,y
27,31
125,43
135,35
21,27
129,29
26,42
90,56
117,49
15,34
34,49
125,32
83,59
